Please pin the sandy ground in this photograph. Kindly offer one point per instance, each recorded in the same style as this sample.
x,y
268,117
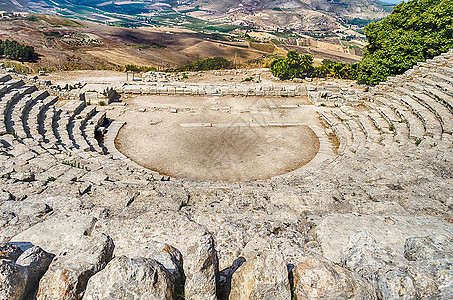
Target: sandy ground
x,y
154,138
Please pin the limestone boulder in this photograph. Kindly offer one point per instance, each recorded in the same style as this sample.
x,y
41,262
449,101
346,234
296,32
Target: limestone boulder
x,y
334,230
429,248
262,276
201,267
317,278
384,268
71,269
196,244
13,279
131,279
21,275
167,255
431,265
57,234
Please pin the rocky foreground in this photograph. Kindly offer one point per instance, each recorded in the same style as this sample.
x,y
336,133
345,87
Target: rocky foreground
x,y
80,221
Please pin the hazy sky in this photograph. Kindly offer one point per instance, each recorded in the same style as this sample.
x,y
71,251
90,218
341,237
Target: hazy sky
x,y
392,1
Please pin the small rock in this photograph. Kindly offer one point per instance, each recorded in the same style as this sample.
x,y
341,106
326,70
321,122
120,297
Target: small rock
x,y
24,176
429,248
154,122
131,278
262,276
317,278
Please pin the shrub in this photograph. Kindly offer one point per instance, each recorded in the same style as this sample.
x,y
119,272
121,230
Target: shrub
x,y
16,51
212,63
292,66
416,30
295,65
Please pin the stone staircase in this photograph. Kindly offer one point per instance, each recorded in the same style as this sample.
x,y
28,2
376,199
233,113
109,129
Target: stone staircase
x,y
59,142
406,109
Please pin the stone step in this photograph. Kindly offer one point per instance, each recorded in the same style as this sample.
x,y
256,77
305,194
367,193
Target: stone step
x,y
73,107
447,71
45,116
441,78
80,141
20,99
441,97
34,122
112,131
372,135
430,120
5,77
65,138
442,113
428,83
9,85
77,128
413,121
358,136
20,112
343,132
51,128
89,131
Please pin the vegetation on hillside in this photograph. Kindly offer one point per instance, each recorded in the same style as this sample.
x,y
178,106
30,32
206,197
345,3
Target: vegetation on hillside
x,y
295,65
211,63
415,31
16,51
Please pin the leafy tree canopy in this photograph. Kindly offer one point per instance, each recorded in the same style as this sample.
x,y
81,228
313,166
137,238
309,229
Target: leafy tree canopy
x,y
211,63
292,66
415,31
16,51
295,65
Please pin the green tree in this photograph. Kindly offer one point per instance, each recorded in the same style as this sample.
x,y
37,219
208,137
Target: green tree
x,y
16,51
415,31
211,63
293,65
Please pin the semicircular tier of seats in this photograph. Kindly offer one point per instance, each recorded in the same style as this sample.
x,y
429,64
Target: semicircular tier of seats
x,y
407,108
58,142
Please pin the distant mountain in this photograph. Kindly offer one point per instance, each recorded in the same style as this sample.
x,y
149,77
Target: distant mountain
x,y
363,9
302,16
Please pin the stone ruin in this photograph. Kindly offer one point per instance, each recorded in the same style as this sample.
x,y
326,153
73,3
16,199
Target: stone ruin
x,y
79,220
